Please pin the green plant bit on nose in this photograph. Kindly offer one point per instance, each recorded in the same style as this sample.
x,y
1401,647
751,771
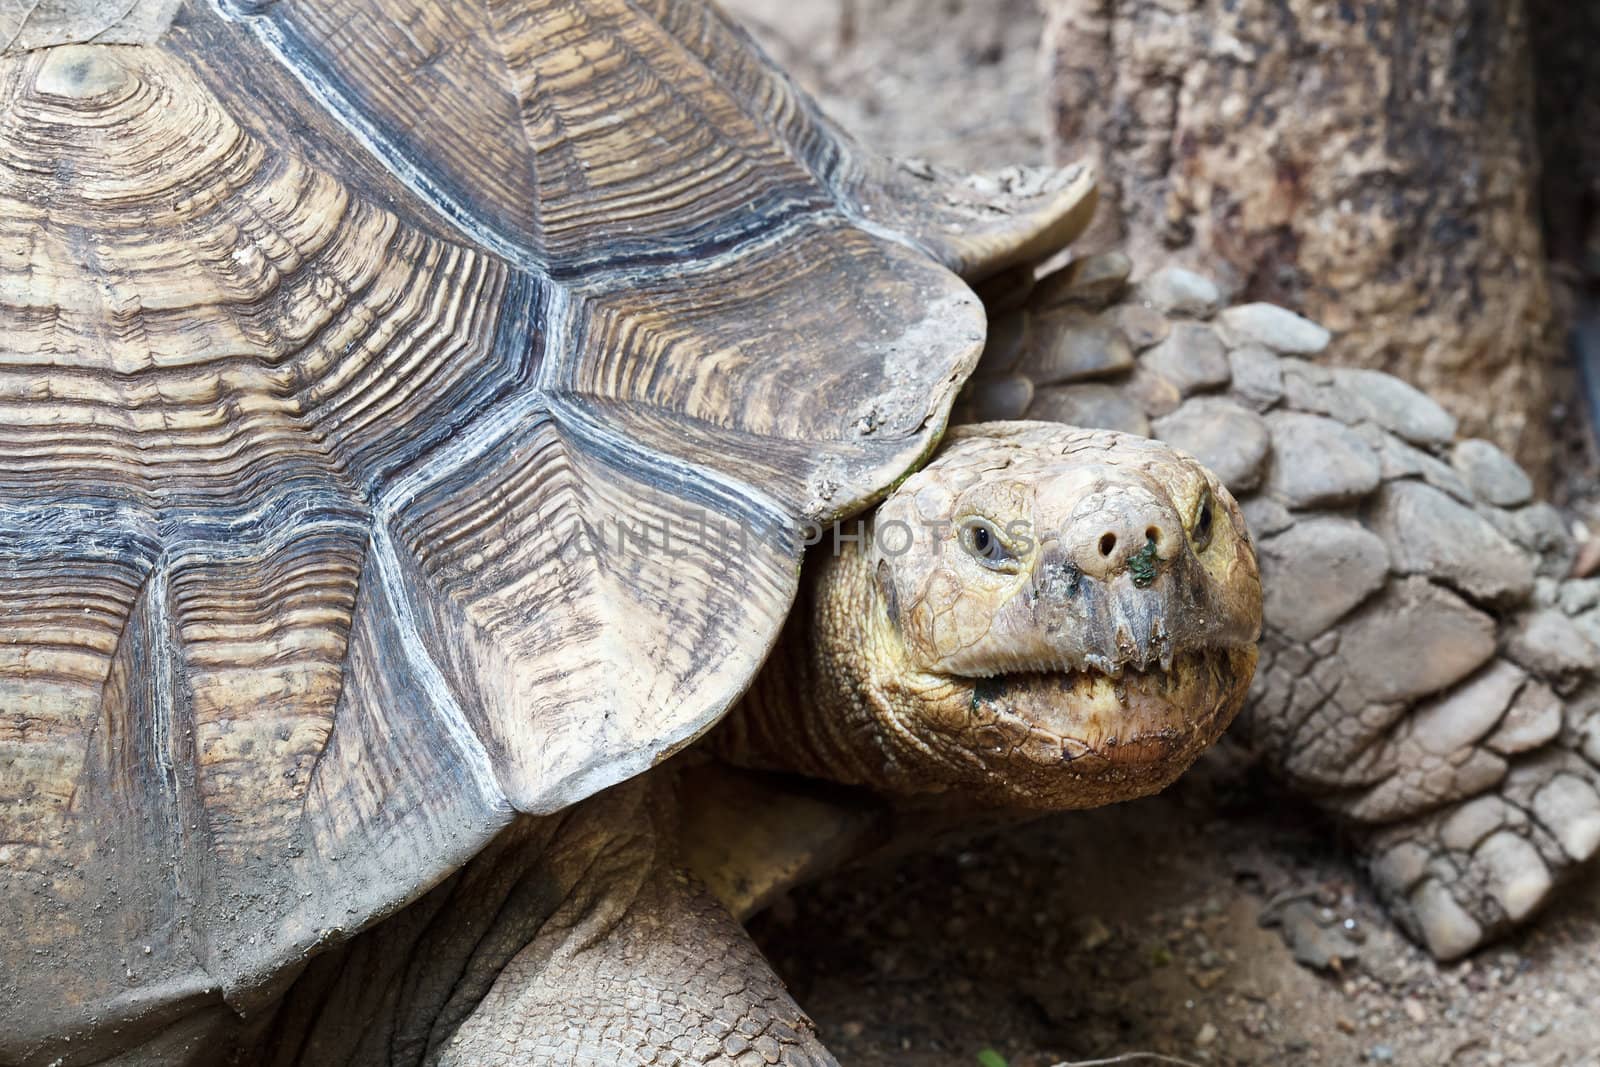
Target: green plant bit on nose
x,y
990,1058
986,689
1143,564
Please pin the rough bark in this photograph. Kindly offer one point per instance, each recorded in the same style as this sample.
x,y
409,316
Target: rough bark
x,y
1373,165
1567,69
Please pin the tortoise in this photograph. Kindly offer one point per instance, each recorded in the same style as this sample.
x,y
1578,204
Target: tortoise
x,y
1428,670
414,416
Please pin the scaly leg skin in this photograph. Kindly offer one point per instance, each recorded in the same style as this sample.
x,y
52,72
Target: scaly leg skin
x,y
573,941
662,976
1427,672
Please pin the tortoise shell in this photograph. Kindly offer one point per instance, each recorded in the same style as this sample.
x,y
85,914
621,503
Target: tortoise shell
x,y
335,339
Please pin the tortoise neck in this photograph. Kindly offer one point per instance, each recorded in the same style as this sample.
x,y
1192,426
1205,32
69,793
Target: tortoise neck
x,y
807,710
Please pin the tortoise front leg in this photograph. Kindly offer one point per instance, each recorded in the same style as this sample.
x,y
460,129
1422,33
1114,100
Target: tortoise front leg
x,y
573,941
639,966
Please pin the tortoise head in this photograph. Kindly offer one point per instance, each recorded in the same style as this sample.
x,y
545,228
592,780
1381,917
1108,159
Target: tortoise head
x,y
1044,617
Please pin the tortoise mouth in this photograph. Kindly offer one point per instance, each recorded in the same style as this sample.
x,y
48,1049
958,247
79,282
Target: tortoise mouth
x,y
1161,658
1090,719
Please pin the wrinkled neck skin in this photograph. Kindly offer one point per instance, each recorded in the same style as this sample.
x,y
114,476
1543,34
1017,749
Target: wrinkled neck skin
x,y
1076,678
828,700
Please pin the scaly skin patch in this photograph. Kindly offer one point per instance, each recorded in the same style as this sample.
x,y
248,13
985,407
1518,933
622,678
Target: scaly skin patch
x,y
1043,617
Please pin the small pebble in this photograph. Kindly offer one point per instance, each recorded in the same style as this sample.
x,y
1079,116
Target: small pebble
x,y
1095,934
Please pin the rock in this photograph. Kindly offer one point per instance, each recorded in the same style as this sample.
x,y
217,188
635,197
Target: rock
x,y
1272,327
1355,396
1316,572
1588,624
1550,645
1265,516
1093,407
1397,406
1143,326
1095,934
1071,345
1257,376
1540,529
1154,394
1321,946
1414,639
1191,358
1093,281
998,399
1431,534
1175,291
1588,732
1317,461
1230,439
1579,595
1493,476
1396,459
1310,387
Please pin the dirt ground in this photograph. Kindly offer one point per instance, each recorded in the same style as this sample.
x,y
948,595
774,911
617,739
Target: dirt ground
x,y
1171,925
1164,926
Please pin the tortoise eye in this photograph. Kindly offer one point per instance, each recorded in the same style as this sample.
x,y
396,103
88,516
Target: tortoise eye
x,y
1203,523
984,543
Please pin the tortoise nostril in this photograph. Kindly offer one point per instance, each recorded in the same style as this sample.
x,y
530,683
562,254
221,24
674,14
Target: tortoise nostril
x,y
1152,535
1108,544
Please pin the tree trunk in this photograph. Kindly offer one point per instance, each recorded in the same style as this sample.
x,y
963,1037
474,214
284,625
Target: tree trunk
x,y
1566,49
1372,164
